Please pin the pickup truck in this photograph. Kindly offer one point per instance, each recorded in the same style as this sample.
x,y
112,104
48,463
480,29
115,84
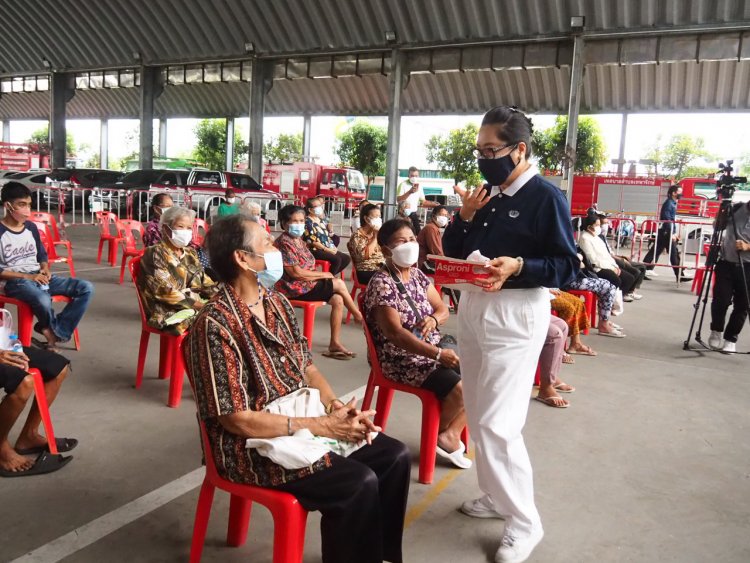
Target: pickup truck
x,y
204,189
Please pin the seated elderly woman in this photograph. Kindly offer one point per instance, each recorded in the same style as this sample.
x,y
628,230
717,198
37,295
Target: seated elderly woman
x,y
252,210
302,282
247,362
363,246
159,203
320,238
573,311
403,311
172,283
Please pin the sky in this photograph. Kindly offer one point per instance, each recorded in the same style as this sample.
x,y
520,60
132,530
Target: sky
x,y
724,134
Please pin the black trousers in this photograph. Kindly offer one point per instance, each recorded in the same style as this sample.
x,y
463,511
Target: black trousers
x,y
362,500
729,289
338,261
414,217
637,270
663,238
625,281
364,277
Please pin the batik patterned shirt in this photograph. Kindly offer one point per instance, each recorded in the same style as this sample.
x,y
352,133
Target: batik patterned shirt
x,y
317,231
294,253
398,364
237,363
169,283
357,247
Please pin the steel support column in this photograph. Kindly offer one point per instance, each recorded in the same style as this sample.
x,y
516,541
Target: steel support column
x,y
163,137
398,82
623,136
151,88
262,81
6,131
104,143
574,104
306,136
229,151
62,91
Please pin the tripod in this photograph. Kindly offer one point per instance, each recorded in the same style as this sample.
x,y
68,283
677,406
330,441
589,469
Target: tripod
x,y
725,212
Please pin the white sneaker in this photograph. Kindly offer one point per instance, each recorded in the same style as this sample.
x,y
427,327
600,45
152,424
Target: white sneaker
x,y
729,347
636,296
628,298
652,273
516,550
716,340
481,507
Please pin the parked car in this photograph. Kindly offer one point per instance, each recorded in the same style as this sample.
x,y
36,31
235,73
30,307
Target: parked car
x,y
76,185
36,181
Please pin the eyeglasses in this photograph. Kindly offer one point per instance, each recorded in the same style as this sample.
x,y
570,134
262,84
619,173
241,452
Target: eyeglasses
x,y
491,152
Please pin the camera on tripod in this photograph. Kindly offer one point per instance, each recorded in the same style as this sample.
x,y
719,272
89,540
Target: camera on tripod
x,y
726,184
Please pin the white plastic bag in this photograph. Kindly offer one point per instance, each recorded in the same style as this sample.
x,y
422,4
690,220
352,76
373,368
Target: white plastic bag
x,y
619,307
6,329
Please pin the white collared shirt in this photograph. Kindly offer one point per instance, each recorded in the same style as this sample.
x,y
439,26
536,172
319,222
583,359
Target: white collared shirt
x,y
517,184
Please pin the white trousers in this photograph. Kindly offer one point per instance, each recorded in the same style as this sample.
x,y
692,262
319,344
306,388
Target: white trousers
x,y
500,338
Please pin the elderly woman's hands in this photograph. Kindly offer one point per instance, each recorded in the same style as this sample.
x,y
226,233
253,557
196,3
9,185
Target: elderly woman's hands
x,y
15,359
449,358
350,424
427,325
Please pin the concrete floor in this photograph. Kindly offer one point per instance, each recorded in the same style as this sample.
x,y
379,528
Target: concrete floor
x,y
650,463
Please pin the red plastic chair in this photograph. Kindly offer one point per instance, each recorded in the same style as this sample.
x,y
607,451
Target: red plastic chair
x,y
308,321
356,286
289,518
171,365
41,401
54,240
430,408
45,235
325,266
698,281
26,318
199,224
126,230
105,220
589,299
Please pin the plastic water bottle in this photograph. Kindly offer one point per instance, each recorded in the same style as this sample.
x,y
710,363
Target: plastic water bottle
x,y
15,344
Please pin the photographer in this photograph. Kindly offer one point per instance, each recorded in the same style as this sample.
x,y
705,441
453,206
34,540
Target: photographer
x,y
410,195
667,237
730,283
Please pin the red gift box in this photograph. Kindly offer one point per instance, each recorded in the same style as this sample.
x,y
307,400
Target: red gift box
x,y
458,274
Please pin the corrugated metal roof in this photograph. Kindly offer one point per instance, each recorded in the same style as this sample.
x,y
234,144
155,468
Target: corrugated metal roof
x,y
90,34
676,87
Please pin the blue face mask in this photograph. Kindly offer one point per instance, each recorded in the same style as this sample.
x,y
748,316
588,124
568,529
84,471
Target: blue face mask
x,y
273,271
296,229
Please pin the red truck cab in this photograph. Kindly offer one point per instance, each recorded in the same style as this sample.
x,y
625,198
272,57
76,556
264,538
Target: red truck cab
x,y
302,180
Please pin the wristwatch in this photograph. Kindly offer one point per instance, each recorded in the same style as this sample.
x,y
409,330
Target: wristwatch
x,y
520,266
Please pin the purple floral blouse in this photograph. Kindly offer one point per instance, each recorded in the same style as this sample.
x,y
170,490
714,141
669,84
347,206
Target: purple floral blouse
x,y
398,364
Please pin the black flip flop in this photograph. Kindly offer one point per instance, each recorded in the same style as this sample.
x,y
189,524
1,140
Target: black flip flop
x,y
63,445
45,463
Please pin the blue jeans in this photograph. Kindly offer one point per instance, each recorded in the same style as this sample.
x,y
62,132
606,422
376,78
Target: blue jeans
x,y
40,301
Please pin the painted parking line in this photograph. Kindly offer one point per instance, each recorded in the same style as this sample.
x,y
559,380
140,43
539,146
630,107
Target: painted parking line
x,y
90,533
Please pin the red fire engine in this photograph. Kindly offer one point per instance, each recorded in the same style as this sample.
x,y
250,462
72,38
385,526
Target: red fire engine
x,y
302,180
21,157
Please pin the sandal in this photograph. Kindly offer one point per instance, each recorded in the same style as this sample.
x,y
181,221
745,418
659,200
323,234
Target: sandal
x,y
337,355
45,463
63,445
556,402
583,351
564,388
568,359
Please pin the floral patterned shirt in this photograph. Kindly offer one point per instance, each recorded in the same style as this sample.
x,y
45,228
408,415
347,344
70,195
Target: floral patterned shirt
x,y
317,231
357,246
153,232
398,364
169,283
237,363
294,253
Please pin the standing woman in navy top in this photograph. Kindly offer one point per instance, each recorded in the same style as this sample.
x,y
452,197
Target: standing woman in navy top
x,y
522,224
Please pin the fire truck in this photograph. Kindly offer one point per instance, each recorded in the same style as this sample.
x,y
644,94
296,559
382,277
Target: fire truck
x,y
21,157
302,180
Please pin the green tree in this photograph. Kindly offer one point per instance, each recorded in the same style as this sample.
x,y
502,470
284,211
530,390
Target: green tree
x,y
363,146
93,161
41,138
655,153
591,151
454,155
211,143
681,152
283,148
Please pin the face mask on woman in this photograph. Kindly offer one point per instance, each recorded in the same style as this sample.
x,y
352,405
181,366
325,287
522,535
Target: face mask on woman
x,y
295,229
597,231
181,237
441,221
605,229
318,211
496,170
231,200
273,271
405,255
375,223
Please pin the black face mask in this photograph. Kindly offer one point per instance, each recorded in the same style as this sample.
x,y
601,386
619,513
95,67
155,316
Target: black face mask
x,y
496,170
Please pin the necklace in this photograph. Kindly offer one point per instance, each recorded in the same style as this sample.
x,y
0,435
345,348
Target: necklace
x,y
261,294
